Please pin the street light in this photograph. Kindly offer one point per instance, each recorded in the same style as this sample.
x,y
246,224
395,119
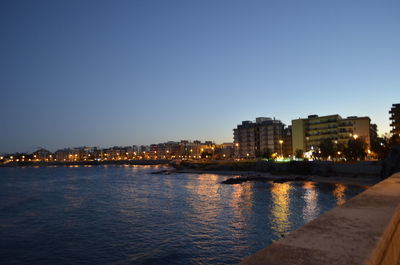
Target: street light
x,y
355,136
281,142
236,151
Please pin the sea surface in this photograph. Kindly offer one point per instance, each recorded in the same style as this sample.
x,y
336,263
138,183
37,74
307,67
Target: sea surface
x,y
126,215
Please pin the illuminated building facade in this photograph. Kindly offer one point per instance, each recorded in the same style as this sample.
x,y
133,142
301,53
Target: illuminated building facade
x,y
186,149
308,133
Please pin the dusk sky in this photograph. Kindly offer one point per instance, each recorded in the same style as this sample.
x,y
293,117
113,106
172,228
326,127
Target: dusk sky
x,y
105,73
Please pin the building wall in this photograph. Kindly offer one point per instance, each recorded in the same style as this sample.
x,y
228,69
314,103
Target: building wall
x,y
308,133
360,128
252,139
395,118
287,142
298,135
321,128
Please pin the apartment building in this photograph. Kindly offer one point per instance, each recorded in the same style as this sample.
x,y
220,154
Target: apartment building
x,y
184,149
395,118
356,127
307,133
252,139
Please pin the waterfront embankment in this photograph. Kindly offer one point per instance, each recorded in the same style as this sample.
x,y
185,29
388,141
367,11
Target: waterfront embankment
x,y
364,230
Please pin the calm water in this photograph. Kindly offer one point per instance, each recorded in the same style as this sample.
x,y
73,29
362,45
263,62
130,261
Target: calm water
x,y
125,215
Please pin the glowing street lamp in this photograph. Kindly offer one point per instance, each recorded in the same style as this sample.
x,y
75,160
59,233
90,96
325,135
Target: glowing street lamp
x,y
355,136
281,143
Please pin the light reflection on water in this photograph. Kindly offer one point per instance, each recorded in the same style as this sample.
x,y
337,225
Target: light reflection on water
x,y
280,223
125,215
311,209
339,193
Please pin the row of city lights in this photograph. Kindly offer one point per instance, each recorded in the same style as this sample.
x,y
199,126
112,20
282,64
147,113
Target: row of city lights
x,y
104,156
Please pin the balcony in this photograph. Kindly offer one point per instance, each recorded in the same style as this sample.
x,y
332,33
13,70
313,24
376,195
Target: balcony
x,y
395,124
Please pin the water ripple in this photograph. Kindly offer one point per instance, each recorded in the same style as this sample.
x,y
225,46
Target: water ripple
x,y
125,215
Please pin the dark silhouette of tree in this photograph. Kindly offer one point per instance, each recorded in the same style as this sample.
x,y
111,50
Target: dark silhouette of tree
x,y
340,147
380,147
327,149
355,150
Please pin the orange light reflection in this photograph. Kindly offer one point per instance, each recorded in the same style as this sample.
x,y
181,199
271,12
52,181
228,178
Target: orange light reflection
x,y
280,223
311,209
339,193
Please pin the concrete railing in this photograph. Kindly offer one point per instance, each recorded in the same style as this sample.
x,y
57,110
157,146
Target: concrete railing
x,y
365,230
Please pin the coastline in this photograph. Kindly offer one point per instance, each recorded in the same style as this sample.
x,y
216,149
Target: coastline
x,y
254,176
365,173
362,173
86,163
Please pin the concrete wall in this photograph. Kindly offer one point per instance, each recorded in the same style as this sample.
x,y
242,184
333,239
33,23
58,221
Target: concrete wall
x,y
365,230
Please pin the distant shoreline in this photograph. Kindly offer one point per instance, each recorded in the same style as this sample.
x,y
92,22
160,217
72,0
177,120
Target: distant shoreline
x,y
86,163
247,171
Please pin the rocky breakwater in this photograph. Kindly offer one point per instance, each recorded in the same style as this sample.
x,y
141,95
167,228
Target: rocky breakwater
x,y
258,178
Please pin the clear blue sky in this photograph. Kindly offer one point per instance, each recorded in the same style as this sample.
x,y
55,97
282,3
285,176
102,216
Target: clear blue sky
x,y
105,73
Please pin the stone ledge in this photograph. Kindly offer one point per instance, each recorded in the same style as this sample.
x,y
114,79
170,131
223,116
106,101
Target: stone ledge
x,y
365,230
